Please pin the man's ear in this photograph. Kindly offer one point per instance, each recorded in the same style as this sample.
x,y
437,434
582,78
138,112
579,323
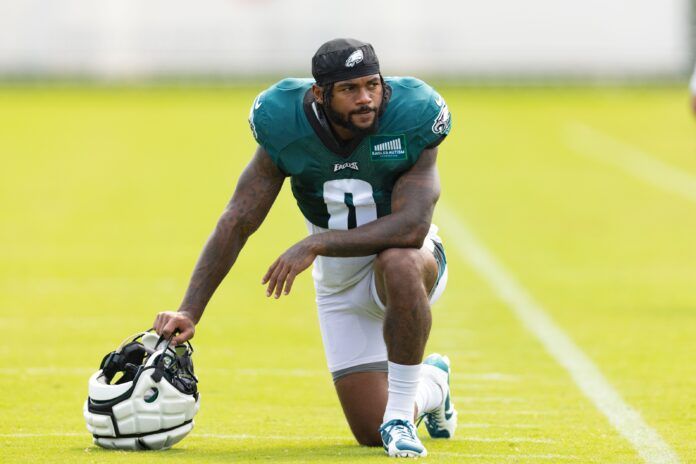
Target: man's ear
x,y
318,94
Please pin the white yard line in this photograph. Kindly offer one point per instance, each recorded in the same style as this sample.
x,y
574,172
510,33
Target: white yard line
x,y
626,420
587,141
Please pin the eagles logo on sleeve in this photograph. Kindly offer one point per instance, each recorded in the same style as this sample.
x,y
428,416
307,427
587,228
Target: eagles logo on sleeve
x,y
254,106
442,121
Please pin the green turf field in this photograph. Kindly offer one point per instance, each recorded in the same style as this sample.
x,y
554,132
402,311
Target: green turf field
x,y
585,197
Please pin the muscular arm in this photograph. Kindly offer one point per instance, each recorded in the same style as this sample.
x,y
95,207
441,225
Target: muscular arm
x,y
413,200
256,190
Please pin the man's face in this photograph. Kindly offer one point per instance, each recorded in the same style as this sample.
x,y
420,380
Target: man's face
x,y
355,104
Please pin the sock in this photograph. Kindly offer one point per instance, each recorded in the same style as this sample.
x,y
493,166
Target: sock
x,y
403,386
430,395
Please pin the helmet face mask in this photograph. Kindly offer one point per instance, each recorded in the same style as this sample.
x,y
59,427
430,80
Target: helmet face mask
x,y
144,395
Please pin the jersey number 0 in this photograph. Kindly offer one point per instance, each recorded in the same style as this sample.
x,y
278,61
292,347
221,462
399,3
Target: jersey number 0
x,y
349,202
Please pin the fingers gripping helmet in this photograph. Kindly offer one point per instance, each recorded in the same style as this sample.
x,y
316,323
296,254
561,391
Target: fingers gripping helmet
x,y
143,396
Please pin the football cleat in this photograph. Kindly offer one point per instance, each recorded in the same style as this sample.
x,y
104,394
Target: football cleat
x,y
441,422
400,439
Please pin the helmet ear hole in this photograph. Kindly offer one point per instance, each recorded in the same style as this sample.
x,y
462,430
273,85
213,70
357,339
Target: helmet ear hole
x,y
151,395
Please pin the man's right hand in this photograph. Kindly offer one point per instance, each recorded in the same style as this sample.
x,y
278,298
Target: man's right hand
x,y
168,323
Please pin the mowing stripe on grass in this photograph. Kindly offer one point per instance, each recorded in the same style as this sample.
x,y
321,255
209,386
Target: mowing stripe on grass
x,y
626,420
588,141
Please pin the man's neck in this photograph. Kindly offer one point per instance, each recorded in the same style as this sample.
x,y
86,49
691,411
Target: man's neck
x,y
345,135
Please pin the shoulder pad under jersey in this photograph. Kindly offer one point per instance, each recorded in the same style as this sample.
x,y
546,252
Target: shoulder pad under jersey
x,y
418,110
276,116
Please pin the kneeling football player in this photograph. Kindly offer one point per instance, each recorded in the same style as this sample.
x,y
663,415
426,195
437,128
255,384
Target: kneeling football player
x,y
360,151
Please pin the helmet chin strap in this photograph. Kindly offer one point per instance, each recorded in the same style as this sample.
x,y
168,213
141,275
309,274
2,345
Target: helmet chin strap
x,y
159,367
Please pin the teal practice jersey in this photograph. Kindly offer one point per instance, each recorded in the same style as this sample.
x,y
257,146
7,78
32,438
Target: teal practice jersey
x,y
346,190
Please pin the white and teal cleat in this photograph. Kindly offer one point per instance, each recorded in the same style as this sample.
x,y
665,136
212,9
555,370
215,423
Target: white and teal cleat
x,y
400,439
441,422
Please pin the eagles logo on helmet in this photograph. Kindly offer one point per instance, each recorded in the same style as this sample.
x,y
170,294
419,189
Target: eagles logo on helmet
x,y
151,404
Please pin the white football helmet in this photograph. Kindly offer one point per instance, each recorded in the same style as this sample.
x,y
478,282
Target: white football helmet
x,y
151,404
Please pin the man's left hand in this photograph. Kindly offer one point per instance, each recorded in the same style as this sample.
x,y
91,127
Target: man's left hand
x,y
283,271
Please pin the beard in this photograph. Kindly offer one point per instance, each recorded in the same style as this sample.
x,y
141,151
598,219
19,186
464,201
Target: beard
x,y
345,121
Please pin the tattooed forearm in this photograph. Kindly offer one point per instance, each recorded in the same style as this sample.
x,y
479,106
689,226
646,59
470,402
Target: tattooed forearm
x,y
256,190
413,202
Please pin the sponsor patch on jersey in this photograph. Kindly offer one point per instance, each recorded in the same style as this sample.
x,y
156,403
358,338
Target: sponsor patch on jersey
x,y
387,147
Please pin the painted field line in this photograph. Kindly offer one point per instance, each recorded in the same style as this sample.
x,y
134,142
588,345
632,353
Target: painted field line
x,y
587,141
626,420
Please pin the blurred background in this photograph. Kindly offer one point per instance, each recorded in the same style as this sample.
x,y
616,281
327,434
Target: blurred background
x,y
123,129
485,42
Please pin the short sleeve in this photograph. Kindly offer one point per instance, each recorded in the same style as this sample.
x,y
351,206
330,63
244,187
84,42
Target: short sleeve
x,y
259,125
437,121
433,125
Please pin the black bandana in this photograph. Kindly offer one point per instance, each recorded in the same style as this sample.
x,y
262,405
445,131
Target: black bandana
x,y
343,59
